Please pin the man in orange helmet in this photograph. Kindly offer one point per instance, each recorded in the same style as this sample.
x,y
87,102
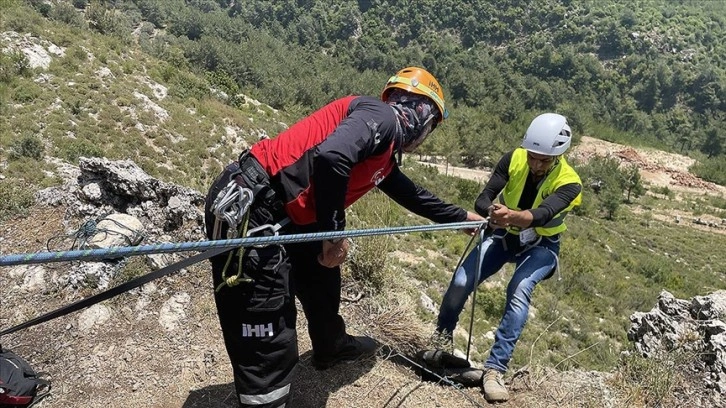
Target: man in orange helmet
x,y
310,174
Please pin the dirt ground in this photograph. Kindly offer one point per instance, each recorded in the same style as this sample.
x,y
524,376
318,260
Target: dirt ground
x,y
657,168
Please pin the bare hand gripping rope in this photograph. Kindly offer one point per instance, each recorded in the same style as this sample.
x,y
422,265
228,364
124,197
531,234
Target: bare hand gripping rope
x,y
212,248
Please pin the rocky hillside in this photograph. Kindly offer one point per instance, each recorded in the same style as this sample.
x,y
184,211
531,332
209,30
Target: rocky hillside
x,y
102,144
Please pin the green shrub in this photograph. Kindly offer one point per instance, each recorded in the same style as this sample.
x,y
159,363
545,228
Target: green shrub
x,y
12,65
713,169
490,302
15,198
73,149
664,190
43,8
27,93
28,146
468,190
185,85
75,107
66,13
587,207
24,16
71,62
660,271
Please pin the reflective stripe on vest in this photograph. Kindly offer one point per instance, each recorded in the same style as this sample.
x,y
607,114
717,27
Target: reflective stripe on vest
x,y
560,175
262,399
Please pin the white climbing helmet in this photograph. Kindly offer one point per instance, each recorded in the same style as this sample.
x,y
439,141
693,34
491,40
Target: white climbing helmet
x,y
548,134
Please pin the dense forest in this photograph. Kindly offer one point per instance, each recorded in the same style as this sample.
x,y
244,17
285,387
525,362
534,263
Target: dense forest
x,y
641,72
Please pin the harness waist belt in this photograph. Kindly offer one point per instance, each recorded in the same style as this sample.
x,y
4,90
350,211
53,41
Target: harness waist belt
x,y
255,177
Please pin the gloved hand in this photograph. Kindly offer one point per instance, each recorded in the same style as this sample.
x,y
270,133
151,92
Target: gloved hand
x,y
334,252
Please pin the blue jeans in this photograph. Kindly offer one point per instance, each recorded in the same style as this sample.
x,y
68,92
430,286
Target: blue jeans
x,y
532,266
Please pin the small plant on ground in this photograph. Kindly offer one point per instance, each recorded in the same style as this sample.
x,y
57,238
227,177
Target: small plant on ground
x,y
652,381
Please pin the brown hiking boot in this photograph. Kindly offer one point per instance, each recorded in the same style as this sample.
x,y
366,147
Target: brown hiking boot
x,y
494,389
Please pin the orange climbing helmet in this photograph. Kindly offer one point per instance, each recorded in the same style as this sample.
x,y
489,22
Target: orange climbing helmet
x,y
419,81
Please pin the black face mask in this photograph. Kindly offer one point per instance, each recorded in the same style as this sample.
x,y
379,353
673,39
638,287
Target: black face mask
x,y
418,119
424,130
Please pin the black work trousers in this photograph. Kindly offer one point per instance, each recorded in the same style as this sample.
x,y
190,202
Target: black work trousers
x,y
258,317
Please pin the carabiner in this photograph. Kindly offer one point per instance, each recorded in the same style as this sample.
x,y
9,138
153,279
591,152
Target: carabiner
x,y
231,205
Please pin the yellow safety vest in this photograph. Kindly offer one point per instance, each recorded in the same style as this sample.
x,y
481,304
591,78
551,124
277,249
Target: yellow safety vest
x,y
560,175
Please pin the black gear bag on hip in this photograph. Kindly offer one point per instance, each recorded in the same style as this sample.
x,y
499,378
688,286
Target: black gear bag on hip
x,y
20,385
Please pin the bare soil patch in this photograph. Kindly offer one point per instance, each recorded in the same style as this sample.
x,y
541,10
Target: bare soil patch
x,y
657,167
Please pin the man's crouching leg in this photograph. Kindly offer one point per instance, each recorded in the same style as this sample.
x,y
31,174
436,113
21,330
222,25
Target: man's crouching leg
x,y
258,324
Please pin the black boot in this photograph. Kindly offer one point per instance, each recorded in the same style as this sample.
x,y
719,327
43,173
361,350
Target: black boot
x,y
349,349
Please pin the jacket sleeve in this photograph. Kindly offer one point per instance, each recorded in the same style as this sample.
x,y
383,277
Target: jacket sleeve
x,y
419,200
357,137
554,204
494,186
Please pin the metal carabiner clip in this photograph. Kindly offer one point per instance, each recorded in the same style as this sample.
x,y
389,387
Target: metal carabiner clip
x,y
231,204
274,228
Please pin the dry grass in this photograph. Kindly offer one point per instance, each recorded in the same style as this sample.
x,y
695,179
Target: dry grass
x,y
670,379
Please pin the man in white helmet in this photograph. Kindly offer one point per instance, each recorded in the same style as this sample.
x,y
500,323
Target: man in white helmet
x,y
535,188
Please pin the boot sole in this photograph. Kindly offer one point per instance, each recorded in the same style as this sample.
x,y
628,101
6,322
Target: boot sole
x,y
497,400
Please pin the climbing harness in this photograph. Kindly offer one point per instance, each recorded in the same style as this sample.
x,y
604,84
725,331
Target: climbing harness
x,y
233,205
235,280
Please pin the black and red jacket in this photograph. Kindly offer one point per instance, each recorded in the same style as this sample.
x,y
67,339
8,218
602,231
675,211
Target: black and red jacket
x,y
328,160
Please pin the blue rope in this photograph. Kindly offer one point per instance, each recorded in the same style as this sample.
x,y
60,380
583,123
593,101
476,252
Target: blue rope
x,y
118,252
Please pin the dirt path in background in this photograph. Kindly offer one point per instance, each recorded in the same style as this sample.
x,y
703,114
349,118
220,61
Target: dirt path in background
x,y
480,176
